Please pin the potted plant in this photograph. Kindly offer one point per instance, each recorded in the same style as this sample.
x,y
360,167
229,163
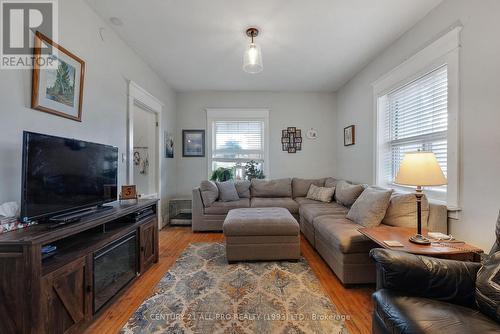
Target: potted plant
x,y
222,174
252,171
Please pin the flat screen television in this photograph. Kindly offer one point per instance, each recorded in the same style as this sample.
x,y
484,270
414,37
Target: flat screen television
x,y
62,175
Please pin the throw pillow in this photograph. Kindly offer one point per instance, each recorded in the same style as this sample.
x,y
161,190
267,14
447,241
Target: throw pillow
x,y
320,193
488,287
370,207
209,192
243,188
346,194
402,211
227,191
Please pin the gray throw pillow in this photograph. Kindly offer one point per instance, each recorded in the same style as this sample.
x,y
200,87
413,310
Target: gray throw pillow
x,y
370,207
322,194
488,287
227,191
346,193
209,192
243,188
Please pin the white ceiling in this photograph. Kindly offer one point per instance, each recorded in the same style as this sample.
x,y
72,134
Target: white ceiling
x,y
307,45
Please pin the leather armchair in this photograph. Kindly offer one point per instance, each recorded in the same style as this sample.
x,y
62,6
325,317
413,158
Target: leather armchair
x,y
419,294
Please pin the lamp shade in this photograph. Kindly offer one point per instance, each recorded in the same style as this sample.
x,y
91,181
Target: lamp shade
x,y
252,60
420,169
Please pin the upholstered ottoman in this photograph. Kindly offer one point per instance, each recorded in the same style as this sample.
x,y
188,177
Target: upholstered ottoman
x,y
261,234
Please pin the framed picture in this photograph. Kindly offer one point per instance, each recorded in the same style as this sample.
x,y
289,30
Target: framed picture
x,y
128,192
349,135
169,145
57,89
193,143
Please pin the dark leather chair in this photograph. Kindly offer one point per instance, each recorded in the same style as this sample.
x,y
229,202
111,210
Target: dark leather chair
x,y
419,294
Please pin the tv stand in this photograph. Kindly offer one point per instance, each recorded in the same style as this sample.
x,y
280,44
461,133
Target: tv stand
x,y
75,216
61,294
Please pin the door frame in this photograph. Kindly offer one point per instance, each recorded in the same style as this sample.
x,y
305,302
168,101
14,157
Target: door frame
x,y
138,96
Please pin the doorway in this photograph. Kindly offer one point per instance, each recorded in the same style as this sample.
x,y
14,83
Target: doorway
x,y
144,144
145,151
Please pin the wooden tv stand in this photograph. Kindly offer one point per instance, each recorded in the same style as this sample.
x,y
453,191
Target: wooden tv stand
x,y
56,295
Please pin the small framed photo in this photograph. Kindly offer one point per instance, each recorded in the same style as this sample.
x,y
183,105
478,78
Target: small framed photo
x,y
349,135
128,192
57,89
291,129
284,133
292,149
193,143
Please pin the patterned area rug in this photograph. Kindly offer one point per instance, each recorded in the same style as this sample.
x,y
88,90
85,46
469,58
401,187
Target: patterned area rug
x,y
202,293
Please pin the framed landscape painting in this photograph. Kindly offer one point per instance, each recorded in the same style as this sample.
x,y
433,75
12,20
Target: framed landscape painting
x,y
193,143
57,80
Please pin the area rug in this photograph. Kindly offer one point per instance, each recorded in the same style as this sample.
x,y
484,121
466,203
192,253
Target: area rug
x,y
202,293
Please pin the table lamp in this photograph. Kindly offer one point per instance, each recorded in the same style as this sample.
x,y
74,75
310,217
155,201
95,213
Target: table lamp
x,y
420,169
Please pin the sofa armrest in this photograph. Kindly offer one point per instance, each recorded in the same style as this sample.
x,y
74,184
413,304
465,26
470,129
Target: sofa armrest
x,y
445,280
196,209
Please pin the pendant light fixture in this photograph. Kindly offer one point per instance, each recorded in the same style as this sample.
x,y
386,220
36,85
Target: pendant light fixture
x,y
252,60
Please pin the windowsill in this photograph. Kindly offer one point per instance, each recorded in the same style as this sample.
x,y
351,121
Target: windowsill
x,y
429,193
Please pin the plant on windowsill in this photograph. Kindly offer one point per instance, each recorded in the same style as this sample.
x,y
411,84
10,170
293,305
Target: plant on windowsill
x,y
222,174
252,171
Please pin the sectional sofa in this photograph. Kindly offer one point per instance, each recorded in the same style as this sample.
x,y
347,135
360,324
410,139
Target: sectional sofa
x,y
324,225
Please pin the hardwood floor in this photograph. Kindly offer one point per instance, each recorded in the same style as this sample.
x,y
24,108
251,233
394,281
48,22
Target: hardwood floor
x,y
354,302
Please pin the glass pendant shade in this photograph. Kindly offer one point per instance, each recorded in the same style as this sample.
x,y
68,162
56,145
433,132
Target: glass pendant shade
x,y
252,60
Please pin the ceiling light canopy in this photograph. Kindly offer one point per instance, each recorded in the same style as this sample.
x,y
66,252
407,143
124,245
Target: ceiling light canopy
x,y
252,59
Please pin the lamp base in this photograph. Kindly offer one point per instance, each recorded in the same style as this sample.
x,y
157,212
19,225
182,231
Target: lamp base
x,y
419,239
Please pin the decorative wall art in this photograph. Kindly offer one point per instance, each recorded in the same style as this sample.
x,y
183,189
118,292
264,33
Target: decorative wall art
x,y
349,135
169,145
291,139
312,133
193,143
57,89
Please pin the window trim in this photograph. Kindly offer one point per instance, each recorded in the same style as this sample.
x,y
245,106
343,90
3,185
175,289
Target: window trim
x,y
238,114
443,50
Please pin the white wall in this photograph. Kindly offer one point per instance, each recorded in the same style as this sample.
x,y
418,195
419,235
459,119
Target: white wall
x,y
109,65
480,116
302,110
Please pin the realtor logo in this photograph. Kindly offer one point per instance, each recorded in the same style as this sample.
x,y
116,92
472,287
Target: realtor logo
x,y
21,19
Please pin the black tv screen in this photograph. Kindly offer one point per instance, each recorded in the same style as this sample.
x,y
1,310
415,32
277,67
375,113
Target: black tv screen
x,y
62,175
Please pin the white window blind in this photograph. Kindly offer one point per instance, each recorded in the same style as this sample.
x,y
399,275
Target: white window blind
x,y
416,118
238,141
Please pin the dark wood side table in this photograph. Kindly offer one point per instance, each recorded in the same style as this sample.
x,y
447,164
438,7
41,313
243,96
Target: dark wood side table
x,y
452,250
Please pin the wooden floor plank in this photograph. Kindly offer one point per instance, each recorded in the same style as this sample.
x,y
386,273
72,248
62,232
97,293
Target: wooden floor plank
x,y
353,302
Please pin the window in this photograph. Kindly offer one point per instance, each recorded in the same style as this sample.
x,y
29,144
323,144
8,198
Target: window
x,y
416,118
417,106
237,136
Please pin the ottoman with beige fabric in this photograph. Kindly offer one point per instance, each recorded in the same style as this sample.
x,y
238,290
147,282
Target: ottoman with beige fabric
x,y
261,234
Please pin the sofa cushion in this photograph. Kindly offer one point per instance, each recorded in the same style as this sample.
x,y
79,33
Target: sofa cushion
x,y
222,208
276,202
407,314
488,287
322,194
227,191
370,207
342,234
260,221
300,187
303,200
311,211
271,188
243,188
402,211
346,194
331,182
209,192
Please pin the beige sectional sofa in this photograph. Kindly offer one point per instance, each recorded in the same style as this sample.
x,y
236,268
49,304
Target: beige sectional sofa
x,y
324,225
